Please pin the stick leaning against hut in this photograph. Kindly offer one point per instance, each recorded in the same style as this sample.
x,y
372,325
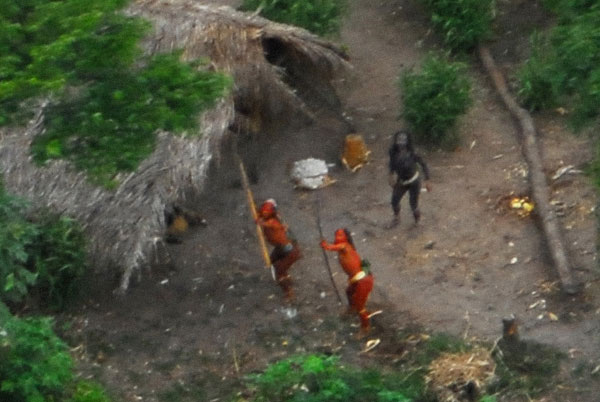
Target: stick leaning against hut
x,y
124,226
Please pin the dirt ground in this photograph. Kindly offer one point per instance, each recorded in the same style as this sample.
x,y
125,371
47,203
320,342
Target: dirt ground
x,y
208,312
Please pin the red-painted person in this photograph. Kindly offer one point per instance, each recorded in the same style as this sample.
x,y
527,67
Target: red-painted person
x,y
360,283
286,250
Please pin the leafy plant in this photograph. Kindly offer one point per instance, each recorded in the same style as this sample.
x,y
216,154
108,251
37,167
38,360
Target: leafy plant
x,y
47,254
45,44
434,98
537,79
563,66
35,364
58,259
321,378
322,17
463,23
16,236
110,127
107,102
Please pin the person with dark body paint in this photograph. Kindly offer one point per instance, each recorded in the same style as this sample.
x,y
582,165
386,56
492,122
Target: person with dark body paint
x,y
404,175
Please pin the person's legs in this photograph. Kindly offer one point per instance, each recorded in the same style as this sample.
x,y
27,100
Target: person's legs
x,y
397,194
413,199
282,263
359,300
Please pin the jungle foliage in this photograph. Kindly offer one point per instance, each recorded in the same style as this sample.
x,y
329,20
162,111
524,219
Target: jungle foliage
x,y
107,100
434,98
564,65
44,254
563,69
322,17
315,378
462,23
35,365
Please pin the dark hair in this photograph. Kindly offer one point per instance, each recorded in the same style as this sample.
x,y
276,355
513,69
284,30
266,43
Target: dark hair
x,y
349,237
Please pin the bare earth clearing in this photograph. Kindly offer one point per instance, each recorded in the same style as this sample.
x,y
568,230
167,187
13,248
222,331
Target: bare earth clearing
x,y
197,324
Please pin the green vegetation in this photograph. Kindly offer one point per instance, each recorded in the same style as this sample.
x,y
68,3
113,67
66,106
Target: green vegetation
x,y
564,66
322,17
463,23
58,259
16,237
322,378
526,370
537,91
434,99
107,101
35,365
47,255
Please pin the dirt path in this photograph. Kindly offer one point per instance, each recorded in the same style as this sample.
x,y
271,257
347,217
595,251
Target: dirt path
x,y
212,313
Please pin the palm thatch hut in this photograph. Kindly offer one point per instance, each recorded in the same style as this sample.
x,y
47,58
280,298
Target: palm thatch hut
x,y
275,66
125,225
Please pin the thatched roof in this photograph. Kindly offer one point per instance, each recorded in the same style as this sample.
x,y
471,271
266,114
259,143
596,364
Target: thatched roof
x,y
124,226
265,58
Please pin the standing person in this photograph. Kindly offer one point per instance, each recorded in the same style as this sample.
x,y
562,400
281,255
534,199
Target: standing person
x,y
286,250
360,283
404,175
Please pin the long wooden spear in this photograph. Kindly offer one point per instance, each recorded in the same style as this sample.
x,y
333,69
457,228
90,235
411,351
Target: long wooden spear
x,y
337,292
252,205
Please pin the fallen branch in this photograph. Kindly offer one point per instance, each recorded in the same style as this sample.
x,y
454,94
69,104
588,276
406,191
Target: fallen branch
x,y
537,178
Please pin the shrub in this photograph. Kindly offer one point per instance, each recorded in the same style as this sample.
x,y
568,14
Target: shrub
x,y
563,67
58,259
463,23
538,87
107,102
35,364
322,17
320,378
16,237
47,254
434,99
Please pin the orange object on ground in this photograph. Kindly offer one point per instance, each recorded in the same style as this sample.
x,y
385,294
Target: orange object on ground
x,y
179,225
360,283
355,152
